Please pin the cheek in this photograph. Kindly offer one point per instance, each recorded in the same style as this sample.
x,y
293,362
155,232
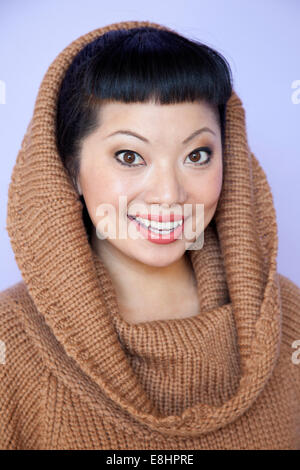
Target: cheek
x,y
100,186
217,183
208,188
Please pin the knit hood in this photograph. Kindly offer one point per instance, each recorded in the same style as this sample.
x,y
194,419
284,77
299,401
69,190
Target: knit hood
x,y
237,265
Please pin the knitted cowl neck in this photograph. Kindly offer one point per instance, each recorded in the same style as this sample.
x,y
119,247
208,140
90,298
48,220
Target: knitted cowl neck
x,y
235,269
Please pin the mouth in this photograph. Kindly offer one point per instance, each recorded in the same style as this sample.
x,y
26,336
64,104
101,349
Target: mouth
x,y
153,226
160,218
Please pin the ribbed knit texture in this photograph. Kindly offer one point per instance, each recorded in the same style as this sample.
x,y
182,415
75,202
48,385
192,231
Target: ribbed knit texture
x,y
182,362
78,376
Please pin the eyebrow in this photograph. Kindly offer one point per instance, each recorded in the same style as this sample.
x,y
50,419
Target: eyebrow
x,y
128,132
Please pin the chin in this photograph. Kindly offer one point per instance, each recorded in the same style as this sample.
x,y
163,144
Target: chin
x,y
159,256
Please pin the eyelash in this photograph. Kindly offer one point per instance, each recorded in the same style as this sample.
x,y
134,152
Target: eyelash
x,y
208,150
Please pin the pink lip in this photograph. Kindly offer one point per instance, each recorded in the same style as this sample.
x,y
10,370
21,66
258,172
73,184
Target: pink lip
x,y
160,218
158,237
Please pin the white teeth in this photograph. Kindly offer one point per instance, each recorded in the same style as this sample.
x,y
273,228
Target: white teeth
x,y
159,226
162,232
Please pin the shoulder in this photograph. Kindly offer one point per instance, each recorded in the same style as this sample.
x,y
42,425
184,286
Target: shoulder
x,y
13,302
288,287
290,309
290,297
16,336
21,372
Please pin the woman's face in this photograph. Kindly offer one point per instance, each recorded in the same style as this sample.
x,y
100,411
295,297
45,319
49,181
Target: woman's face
x,y
169,170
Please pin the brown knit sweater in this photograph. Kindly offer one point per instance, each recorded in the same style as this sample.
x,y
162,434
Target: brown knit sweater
x,y
75,375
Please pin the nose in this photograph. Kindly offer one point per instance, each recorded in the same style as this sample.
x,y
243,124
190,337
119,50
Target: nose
x,y
165,186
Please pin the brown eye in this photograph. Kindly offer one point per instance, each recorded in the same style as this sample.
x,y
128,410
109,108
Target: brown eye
x,y
195,156
129,157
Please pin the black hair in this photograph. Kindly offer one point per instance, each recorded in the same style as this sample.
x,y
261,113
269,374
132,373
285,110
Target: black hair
x,y
140,64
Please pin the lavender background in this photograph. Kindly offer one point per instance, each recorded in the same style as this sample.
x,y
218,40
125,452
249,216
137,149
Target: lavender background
x,y
260,39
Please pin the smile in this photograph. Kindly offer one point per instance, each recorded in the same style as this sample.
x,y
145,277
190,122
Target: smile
x,y
158,232
157,227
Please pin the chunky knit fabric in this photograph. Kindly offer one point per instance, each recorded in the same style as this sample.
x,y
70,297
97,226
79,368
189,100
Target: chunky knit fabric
x,y
76,375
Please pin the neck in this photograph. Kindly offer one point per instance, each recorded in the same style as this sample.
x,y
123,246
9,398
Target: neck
x,y
144,291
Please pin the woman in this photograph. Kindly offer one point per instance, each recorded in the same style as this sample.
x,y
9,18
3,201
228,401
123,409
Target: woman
x,y
165,337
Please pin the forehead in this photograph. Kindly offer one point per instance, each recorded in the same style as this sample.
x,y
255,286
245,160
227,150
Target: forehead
x,y
113,113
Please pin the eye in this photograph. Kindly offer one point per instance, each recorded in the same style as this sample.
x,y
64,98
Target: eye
x,y
195,155
128,157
